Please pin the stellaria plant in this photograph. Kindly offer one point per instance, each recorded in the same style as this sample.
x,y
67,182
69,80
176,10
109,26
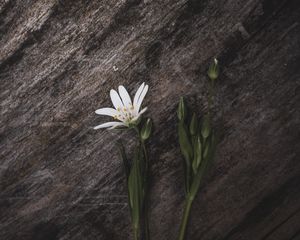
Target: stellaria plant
x,y
129,116
198,144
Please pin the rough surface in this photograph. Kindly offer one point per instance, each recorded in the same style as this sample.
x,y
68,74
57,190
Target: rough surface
x,y
60,179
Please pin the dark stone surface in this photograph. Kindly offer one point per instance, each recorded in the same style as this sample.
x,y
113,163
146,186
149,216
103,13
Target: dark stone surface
x,y
60,179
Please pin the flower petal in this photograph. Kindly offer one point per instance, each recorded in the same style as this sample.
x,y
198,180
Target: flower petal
x,y
125,96
118,125
137,95
141,98
115,98
139,114
109,124
142,111
107,111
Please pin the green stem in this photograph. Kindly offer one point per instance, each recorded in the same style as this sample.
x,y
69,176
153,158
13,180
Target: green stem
x,y
146,217
185,218
147,236
135,233
145,153
146,212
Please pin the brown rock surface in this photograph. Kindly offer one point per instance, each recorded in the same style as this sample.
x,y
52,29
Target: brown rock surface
x,y
60,179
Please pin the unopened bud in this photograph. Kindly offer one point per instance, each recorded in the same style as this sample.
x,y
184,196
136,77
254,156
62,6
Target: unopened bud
x,y
146,129
213,71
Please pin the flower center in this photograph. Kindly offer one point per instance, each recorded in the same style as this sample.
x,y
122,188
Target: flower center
x,y
125,114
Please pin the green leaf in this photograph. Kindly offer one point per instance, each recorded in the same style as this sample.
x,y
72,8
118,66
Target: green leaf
x,y
141,175
212,149
181,112
206,161
205,130
194,125
206,149
187,152
131,188
197,154
185,145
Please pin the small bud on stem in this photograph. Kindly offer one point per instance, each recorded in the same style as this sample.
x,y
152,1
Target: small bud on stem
x,y
213,71
146,129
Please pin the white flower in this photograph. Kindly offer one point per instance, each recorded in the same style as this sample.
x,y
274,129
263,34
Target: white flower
x,y
126,111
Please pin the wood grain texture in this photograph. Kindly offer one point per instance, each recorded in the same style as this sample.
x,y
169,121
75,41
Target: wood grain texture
x,y
60,179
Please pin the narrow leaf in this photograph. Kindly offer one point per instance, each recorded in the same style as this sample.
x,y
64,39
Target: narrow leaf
x,y
206,161
197,154
181,112
205,130
187,152
193,125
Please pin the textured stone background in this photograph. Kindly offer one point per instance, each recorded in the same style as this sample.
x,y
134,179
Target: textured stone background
x,y
60,179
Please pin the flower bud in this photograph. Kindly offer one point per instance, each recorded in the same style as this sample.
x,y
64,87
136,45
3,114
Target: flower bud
x,y
213,71
146,129
181,112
